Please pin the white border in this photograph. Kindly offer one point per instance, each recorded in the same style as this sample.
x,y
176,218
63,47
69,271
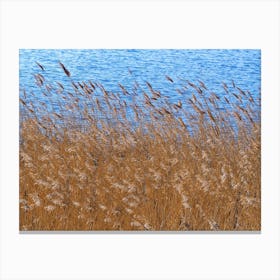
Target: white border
x,y
139,24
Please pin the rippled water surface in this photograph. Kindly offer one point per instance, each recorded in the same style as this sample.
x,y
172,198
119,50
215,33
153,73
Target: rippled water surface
x,y
127,66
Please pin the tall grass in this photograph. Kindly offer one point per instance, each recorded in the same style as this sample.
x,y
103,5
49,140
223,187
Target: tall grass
x,y
91,159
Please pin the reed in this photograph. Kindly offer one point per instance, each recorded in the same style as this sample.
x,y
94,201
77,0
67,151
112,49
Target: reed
x,y
91,159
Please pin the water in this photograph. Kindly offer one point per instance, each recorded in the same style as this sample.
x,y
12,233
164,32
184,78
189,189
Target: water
x,y
121,66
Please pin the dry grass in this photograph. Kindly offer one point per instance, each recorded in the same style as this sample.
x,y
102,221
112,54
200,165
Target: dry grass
x,y
92,160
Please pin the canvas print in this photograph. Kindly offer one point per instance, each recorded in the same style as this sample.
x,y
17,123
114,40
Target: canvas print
x,y
140,140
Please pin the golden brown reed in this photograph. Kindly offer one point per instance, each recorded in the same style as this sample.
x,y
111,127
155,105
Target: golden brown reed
x,y
105,163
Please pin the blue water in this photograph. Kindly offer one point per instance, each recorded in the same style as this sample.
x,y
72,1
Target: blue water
x,y
127,66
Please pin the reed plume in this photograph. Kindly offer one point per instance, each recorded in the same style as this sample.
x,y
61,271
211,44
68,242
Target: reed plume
x,y
91,159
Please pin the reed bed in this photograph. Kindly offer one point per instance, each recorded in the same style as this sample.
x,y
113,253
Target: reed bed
x,y
91,159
